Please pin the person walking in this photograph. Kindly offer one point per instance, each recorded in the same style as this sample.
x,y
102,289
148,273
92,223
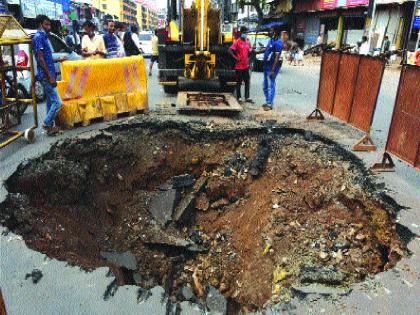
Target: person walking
x,y
387,47
240,51
271,66
155,52
93,46
46,72
364,47
129,42
112,43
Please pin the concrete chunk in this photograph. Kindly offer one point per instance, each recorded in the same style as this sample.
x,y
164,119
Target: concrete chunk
x,y
163,204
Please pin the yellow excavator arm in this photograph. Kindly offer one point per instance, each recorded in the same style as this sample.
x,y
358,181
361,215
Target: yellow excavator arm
x,y
202,63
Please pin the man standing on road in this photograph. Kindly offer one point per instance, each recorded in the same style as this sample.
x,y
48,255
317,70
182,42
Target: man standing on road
x,y
364,47
155,52
131,48
46,72
387,47
93,46
240,51
112,42
271,66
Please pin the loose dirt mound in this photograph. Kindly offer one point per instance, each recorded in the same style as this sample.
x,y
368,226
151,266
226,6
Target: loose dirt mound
x,y
249,213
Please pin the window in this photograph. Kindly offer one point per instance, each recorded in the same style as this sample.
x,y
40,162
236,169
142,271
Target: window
x,y
145,37
57,44
104,6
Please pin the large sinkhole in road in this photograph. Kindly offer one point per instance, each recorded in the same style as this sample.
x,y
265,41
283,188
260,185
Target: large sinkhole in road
x,y
249,213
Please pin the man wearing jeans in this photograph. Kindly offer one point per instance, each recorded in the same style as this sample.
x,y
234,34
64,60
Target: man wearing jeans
x,y
46,72
271,66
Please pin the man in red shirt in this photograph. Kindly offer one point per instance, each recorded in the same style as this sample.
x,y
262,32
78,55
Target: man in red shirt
x,y
240,51
417,57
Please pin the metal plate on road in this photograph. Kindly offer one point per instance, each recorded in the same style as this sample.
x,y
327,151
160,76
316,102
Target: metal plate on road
x,y
200,102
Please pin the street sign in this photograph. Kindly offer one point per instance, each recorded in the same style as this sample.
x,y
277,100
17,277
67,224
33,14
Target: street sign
x,y
416,20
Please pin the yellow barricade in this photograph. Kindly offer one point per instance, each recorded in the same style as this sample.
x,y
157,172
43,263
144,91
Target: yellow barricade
x,y
101,88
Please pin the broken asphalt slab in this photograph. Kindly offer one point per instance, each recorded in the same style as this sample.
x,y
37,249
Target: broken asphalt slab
x,y
162,205
126,260
318,290
160,237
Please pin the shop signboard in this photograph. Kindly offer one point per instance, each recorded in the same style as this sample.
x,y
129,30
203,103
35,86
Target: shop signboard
x,y
58,11
28,8
355,3
328,4
13,2
416,20
332,4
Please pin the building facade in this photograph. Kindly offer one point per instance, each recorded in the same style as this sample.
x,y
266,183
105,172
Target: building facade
x,y
128,9
344,22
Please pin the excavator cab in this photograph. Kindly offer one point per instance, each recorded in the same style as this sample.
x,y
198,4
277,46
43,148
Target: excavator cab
x,y
196,47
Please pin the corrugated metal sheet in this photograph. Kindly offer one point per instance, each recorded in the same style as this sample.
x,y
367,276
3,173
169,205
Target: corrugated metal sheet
x,y
369,80
328,80
404,136
346,83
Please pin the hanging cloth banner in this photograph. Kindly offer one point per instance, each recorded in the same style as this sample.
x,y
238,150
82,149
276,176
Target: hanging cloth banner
x,y
28,8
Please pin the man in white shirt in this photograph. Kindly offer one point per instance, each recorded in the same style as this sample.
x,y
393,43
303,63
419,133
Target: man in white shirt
x,y
364,47
93,46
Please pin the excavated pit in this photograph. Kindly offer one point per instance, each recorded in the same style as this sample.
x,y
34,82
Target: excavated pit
x,y
256,215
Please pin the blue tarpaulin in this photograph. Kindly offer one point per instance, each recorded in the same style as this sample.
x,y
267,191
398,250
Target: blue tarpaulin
x,y
265,27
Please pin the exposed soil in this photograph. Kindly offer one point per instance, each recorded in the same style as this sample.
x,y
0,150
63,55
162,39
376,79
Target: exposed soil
x,y
266,212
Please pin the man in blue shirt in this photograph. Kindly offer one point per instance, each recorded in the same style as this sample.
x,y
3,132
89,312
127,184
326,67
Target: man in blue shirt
x,y
271,66
46,72
112,43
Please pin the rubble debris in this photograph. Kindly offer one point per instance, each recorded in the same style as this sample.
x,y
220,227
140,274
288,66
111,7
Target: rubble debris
x,y
317,289
221,203
198,287
182,181
309,136
49,178
187,204
35,276
202,202
173,308
215,301
258,160
159,237
110,290
187,294
321,274
126,259
163,204
143,295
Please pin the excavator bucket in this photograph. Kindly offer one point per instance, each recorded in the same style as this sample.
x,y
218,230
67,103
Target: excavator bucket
x,y
214,103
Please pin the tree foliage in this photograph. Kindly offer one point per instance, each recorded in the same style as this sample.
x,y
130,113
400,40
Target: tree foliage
x,y
259,6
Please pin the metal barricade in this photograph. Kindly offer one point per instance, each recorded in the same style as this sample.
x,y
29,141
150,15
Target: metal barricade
x,y
349,86
404,132
12,102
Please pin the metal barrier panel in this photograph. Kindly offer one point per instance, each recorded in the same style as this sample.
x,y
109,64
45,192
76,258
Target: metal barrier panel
x,y
328,79
346,83
366,92
404,132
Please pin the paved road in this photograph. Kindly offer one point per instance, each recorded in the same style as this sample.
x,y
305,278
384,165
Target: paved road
x,y
68,290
